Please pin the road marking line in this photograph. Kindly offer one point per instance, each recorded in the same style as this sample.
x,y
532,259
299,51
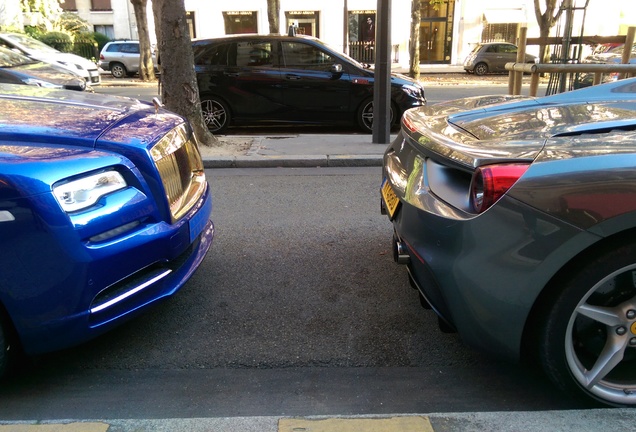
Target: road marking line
x,y
393,424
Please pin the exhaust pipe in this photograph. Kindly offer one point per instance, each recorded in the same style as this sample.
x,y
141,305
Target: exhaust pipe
x,y
400,255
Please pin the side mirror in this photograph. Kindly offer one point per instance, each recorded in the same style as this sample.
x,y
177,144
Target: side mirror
x,y
336,68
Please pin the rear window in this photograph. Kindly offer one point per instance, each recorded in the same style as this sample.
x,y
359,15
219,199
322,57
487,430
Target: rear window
x,y
211,55
113,48
298,55
507,49
250,54
129,48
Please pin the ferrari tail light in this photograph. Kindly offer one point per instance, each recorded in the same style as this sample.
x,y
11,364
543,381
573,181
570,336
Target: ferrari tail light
x,y
491,182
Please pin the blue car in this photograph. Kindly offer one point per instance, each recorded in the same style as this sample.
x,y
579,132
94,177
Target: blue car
x,y
104,210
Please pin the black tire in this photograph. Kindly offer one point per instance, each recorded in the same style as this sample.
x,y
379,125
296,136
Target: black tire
x,y
3,352
481,69
364,116
118,70
5,357
587,334
216,114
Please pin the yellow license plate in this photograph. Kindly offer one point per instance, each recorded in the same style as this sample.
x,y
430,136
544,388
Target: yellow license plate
x,y
391,201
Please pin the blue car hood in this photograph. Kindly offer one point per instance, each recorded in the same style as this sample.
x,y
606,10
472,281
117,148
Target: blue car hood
x,y
36,115
80,131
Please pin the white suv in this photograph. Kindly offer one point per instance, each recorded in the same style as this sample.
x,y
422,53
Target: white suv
x,y
121,58
40,51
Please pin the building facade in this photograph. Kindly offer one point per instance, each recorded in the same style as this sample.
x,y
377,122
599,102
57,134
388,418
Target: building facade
x,y
448,28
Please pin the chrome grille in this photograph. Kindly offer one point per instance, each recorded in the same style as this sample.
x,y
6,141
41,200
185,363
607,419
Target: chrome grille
x,y
180,166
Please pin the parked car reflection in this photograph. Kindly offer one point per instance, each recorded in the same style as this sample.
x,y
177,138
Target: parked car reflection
x,y
16,68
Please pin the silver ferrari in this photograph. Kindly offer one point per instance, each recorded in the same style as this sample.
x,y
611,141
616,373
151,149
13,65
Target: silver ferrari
x,y
516,220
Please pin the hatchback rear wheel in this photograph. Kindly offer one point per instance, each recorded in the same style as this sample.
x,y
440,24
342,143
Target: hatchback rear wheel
x,y
588,340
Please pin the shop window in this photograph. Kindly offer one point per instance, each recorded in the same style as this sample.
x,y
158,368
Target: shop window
x,y
305,22
362,26
362,35
436,31
240,22
191,24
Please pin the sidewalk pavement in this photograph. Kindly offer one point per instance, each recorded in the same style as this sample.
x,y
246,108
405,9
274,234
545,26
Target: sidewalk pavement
x,y
302,150
514,421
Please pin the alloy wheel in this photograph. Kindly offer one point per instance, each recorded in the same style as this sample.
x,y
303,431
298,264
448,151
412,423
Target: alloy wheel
x,y
600,345
215,115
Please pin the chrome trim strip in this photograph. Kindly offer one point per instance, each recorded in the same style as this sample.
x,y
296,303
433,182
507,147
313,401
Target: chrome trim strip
x,y
131,292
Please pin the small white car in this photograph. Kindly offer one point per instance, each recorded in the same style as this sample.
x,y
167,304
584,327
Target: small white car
x,y
40,51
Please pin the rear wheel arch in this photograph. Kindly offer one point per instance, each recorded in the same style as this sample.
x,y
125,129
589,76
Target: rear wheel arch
x,y
561,338
546,297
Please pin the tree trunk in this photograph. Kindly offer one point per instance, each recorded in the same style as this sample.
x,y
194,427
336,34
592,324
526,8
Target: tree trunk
x,y
273,14
414,46
146,65
179,90
546,21
544,49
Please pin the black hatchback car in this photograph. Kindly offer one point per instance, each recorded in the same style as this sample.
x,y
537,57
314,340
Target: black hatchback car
x,y
249,79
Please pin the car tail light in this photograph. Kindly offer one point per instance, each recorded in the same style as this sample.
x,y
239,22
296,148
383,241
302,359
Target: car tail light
x,y
490,182
406,121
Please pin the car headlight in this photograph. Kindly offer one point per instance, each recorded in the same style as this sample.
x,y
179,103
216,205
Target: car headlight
x,y
84,192
413,91
40,83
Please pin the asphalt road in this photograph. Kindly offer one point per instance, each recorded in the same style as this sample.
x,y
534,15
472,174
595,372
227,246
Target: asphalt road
x,y
298,309
435,92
